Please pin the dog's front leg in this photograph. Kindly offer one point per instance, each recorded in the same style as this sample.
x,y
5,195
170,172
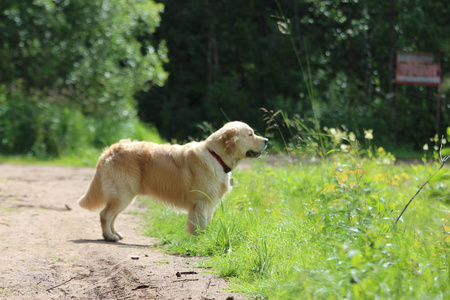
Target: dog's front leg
x,y
198,217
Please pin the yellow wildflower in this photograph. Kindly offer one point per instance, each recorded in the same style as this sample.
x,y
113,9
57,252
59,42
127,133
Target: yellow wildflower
x,y
378,177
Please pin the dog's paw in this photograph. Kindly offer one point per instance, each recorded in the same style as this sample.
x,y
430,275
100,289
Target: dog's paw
x,y
111,237
119,235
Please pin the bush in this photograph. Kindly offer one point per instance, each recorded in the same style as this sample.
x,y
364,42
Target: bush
x,y
35,126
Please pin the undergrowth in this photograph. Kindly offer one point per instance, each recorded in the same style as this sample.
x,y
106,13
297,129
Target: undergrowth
x,y
82,154
36,128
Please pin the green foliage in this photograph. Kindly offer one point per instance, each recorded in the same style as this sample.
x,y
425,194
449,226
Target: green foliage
x,y
29,125
94,47
70,69
324,231
237,57
35,127
304,138
226,61
330,62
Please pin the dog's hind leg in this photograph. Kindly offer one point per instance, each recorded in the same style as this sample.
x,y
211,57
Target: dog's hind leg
x,y
109,214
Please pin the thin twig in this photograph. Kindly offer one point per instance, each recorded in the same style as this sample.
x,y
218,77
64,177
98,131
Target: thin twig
x,y
160,293
53,287
443,161
182,280
178,274
144,286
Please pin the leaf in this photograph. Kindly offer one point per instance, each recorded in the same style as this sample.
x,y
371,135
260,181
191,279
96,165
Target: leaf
x,y
328,189
331,151
303,125
341,178
357,260
446,151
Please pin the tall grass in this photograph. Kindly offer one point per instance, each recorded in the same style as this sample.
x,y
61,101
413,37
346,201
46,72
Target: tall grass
x,y
325,231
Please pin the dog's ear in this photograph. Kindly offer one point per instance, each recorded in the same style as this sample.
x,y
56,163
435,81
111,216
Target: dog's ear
x,y
228,139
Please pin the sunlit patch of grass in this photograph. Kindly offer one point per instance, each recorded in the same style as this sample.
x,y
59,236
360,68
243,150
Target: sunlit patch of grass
x,y
324,231
82,158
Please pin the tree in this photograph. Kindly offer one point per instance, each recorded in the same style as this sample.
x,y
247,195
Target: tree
x,y
233,57
85,56
89,50
227,59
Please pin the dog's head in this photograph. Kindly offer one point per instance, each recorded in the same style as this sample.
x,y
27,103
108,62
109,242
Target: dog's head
x,y
239,140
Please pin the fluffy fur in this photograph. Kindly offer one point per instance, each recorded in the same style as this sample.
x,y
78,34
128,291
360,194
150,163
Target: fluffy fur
x,y
192,177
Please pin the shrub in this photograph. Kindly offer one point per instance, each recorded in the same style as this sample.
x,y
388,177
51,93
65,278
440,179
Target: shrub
x,y
35,126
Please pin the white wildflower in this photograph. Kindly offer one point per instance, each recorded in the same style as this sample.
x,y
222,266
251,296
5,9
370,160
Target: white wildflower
x,y
368,134
352,137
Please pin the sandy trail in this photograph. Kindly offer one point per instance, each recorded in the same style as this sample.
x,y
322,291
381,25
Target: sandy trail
x,y
52,249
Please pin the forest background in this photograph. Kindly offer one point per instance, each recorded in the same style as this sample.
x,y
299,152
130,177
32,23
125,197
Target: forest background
x,y
85,73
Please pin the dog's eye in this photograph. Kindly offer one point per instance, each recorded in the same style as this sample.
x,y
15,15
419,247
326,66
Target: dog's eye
x,y
251,134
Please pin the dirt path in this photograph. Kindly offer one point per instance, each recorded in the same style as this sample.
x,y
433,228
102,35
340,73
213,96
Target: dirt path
x,y
51,249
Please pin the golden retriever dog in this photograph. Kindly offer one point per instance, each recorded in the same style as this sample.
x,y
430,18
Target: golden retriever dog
x,y
193,177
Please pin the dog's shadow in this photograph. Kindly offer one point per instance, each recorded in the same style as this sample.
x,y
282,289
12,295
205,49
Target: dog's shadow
x,y
117,244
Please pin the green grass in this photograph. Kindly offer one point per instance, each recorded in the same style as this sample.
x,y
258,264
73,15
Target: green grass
x,y
325,231
85,157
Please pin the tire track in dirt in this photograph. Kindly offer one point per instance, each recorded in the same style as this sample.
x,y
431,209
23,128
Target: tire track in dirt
x,y
52,249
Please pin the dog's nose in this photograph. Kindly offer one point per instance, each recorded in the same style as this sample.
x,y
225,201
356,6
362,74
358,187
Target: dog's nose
x,y
266,141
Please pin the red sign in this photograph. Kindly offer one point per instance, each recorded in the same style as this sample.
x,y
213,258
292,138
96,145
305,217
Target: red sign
x,y
417,68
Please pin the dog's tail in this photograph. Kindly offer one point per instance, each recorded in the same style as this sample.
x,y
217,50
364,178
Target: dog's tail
x,y
93,199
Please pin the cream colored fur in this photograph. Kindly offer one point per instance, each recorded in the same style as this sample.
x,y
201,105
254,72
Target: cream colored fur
x,y
187,177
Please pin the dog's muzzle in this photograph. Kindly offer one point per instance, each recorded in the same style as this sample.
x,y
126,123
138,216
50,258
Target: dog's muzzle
x,y
255,154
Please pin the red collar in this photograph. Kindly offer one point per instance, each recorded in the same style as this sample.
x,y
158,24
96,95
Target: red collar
x,y
226,168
